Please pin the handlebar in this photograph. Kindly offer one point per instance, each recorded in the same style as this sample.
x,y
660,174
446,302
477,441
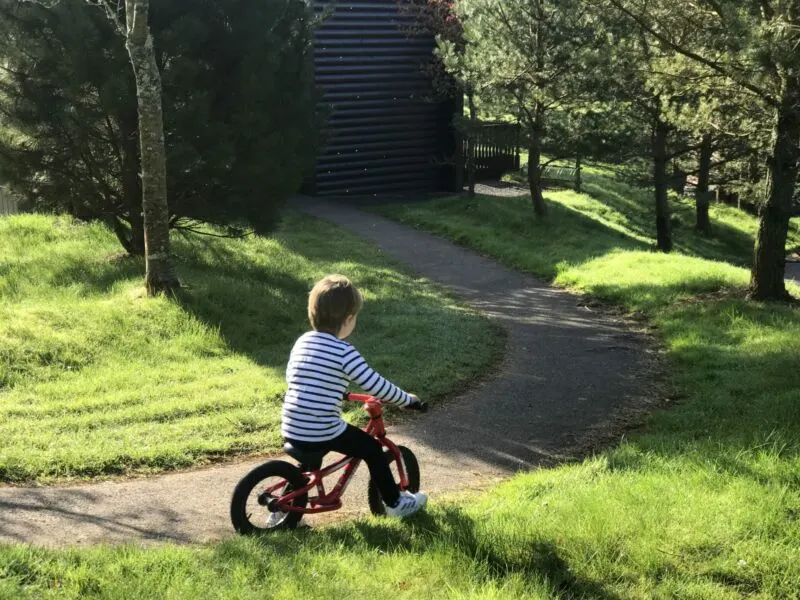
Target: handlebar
x,y
365,398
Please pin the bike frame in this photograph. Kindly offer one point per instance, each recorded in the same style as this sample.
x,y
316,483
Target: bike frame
x,y
326,502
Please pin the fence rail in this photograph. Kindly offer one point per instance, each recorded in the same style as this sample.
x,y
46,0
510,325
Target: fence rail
x,y
8,204
496,149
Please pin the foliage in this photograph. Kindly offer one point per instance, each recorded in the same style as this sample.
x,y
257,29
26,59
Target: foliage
x,y
96,379
528,58
754,46
438,18
238,109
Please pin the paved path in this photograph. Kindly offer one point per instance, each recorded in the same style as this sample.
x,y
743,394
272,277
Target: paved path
x,y
567,372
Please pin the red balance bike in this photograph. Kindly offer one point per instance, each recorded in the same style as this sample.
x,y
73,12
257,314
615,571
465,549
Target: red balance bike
x,y
277,494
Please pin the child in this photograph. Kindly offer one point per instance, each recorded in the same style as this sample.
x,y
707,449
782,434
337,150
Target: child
x,y
321,366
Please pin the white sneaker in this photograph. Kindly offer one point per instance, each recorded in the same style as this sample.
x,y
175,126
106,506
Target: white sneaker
x,y
408,504
275,519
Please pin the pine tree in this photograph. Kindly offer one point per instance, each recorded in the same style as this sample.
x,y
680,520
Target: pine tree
x,y
754,46
238,105
531,58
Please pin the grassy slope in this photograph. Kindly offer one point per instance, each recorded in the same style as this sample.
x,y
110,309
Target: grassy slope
x,y
97,380
702,504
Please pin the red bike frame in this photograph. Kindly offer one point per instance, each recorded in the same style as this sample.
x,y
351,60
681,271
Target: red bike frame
x,y
325,502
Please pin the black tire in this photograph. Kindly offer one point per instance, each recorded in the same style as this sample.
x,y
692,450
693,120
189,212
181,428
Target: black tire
x,y
376,504
242,514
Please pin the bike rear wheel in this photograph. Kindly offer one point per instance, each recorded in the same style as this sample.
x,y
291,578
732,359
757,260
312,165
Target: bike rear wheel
x,y
376,505
250,513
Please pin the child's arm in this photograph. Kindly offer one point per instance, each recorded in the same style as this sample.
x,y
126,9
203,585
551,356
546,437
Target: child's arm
x,y
361,373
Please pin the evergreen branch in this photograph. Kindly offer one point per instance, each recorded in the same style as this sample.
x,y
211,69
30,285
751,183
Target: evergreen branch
x,y
112,12
649,29
187,225
766,9
684,150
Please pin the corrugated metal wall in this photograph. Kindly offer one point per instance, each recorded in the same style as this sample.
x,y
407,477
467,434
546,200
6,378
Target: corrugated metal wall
x,y
385,134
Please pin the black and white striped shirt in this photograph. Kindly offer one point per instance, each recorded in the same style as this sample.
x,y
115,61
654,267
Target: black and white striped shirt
x,y
321,366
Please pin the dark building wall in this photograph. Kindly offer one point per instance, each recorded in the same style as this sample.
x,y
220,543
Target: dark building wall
x,y
386,134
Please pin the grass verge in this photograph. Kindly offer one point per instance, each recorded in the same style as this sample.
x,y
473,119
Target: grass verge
x,y
97,380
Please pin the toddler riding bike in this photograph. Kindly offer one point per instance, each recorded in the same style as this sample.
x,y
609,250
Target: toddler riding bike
x,y
277,494
321,367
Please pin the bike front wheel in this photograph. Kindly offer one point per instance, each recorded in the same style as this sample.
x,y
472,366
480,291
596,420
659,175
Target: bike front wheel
x,y
250,513
376,505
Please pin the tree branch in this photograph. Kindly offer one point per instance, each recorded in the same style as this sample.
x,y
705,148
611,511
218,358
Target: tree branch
x,y
112,12
191,226
649,29
136,20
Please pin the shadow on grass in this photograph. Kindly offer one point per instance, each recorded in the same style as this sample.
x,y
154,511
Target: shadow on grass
x,y
450,530
637,205
95,276
738,362
565,236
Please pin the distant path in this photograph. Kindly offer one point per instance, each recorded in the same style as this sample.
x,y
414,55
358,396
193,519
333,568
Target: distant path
x,y
793,271
569,369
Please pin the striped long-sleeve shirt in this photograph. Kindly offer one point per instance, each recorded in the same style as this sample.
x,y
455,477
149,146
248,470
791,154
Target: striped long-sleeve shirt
x,y
321,367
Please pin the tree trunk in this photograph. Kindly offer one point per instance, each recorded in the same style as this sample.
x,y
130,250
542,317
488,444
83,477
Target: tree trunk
x,y
767,276
534,165
578,181
663,228
160,276
535,178
701,193
472,141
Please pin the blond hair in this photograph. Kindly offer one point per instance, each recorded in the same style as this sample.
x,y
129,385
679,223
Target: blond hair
x,y
332,300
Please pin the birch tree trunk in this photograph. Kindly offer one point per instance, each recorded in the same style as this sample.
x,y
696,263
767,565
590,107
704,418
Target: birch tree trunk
x,y
160,276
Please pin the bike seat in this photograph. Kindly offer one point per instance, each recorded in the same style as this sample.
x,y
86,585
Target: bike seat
x,y
312,460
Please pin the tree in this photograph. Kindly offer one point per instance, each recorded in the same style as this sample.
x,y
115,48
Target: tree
x,y
752,44
634,59
600,131
241,129
530,58
160,274
70,118
726,128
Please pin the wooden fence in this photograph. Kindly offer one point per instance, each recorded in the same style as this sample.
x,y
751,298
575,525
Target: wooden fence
x,y
8,204
496,149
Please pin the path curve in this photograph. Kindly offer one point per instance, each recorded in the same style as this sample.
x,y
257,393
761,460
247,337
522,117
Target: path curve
x,y
568,370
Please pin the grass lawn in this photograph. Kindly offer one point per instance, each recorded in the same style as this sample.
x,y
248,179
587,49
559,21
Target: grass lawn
x,y
703,502
97,380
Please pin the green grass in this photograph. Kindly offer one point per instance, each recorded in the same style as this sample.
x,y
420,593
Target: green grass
x,y
97,380
702,502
